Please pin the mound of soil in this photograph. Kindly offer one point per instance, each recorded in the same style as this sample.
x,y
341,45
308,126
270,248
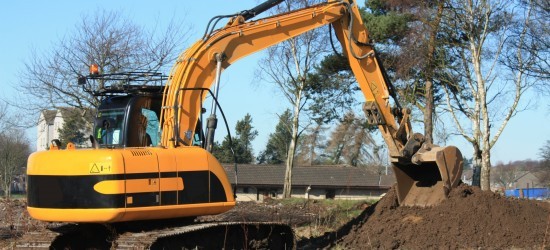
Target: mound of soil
x,y
470,218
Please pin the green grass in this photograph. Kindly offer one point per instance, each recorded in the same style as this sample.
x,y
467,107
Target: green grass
x,y
333,215
16,197
342,203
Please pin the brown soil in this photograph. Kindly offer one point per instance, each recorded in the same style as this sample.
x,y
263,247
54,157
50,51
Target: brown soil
x,y
295,214
470,218
14,218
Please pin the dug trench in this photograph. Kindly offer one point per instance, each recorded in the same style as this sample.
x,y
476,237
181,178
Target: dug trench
x,y
470,218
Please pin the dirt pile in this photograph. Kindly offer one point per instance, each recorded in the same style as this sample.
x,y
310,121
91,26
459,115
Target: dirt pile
x,y
470,218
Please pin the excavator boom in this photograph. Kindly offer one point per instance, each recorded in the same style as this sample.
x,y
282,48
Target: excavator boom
x,y
419,173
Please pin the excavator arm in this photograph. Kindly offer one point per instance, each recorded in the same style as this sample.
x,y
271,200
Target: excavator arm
x,y
425,173
197,67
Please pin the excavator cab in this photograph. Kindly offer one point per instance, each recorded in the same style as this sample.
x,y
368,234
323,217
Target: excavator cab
x,y
130,107
117,117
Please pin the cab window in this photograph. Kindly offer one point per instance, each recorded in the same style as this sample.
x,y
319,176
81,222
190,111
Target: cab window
x,y
152,127
108,127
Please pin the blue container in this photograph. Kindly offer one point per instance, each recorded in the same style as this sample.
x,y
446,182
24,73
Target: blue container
x,y
511,193
529,193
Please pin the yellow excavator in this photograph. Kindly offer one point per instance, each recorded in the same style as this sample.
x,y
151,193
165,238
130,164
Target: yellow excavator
x,y
151,160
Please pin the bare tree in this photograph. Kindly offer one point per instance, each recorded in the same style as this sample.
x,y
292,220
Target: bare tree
x,y
506,174
115,43
4,121
288,65
310,144
545,163
485,27
351,143
14,150
530,41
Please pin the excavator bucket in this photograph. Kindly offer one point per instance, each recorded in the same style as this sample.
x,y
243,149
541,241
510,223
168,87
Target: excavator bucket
x,y
426,181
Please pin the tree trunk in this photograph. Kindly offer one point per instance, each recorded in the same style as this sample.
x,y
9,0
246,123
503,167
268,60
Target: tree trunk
x,y
484,126
287,187
4,178
314,141
486,148
429,70
428,112
486,170
476,165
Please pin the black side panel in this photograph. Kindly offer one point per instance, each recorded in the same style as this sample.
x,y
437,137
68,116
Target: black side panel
x,y
196,186
168,198
217,194
46,191
143,199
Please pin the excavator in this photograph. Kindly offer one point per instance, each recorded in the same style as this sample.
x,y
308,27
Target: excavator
x,y
151,160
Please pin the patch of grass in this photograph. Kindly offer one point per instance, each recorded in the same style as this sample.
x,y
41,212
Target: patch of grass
x,y
329,215
18,196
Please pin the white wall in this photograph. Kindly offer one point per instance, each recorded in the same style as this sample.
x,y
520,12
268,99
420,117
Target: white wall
x,y
314,193
44,133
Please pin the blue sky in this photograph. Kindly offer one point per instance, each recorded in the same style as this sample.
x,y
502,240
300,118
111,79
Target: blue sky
x,y
27,25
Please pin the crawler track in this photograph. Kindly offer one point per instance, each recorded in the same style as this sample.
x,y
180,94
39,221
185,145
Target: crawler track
x,y
211,235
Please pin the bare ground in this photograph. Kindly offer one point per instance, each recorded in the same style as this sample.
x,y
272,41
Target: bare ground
x,y
470,218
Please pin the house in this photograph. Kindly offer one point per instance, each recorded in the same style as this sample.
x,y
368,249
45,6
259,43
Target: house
x,y
519,180
257,182
526,179
51,121
48,125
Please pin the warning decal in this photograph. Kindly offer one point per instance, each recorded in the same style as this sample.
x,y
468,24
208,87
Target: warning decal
x,y
94,169
100,167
